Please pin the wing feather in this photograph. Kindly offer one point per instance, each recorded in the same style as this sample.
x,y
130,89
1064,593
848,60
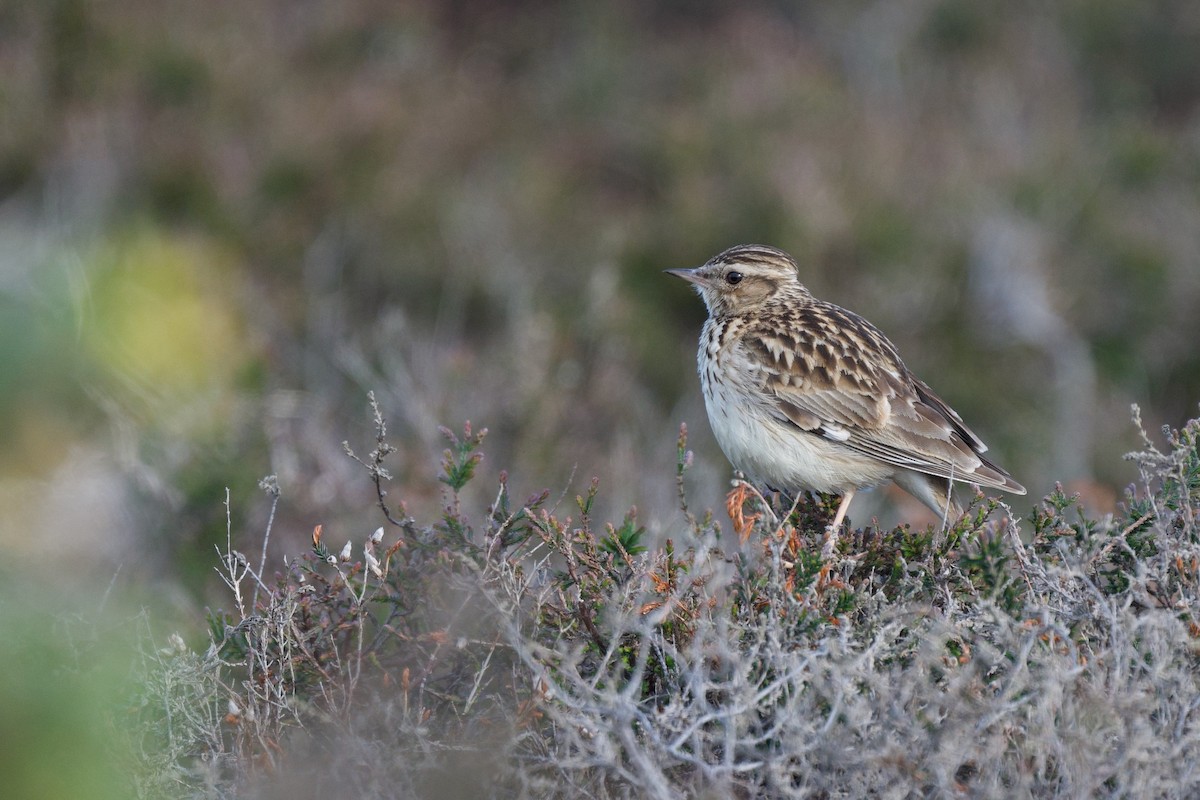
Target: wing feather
x,y
835,375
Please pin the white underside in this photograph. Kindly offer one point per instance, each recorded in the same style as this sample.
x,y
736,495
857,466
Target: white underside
x,y
781,455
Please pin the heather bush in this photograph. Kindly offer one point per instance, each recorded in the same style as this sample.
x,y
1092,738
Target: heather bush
x,y
528,651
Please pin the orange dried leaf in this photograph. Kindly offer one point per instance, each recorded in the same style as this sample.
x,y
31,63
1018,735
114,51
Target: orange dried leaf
x,y
660,584
735,501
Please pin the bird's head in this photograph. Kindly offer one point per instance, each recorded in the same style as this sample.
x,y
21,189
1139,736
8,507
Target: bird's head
x,y
743,278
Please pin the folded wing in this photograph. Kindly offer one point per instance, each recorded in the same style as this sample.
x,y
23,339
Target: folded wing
x,y
854,389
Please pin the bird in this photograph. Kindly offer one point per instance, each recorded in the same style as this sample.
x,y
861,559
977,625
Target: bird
x,y
804,395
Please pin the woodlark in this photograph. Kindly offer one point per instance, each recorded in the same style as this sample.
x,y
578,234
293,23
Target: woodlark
x,y
805,395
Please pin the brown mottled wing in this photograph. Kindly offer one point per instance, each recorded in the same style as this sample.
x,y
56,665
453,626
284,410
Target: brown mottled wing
x,y
832,373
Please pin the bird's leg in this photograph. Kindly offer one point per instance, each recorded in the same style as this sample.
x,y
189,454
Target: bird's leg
x,y
831,533
843,507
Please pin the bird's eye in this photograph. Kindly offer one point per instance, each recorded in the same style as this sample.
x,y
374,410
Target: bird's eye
x,y
733,278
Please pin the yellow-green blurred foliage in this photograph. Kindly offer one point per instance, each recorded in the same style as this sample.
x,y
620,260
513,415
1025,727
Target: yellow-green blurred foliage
x,y
129,369
162,327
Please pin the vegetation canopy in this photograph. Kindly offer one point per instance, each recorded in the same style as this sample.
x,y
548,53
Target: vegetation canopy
x,y
529,651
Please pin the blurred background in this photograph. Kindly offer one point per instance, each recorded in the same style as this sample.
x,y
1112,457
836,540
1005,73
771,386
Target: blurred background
x,y
223,223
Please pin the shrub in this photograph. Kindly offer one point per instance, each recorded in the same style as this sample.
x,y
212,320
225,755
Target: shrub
x,y
528,652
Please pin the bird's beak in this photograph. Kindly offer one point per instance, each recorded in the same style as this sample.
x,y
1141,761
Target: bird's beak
x,y
690,275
